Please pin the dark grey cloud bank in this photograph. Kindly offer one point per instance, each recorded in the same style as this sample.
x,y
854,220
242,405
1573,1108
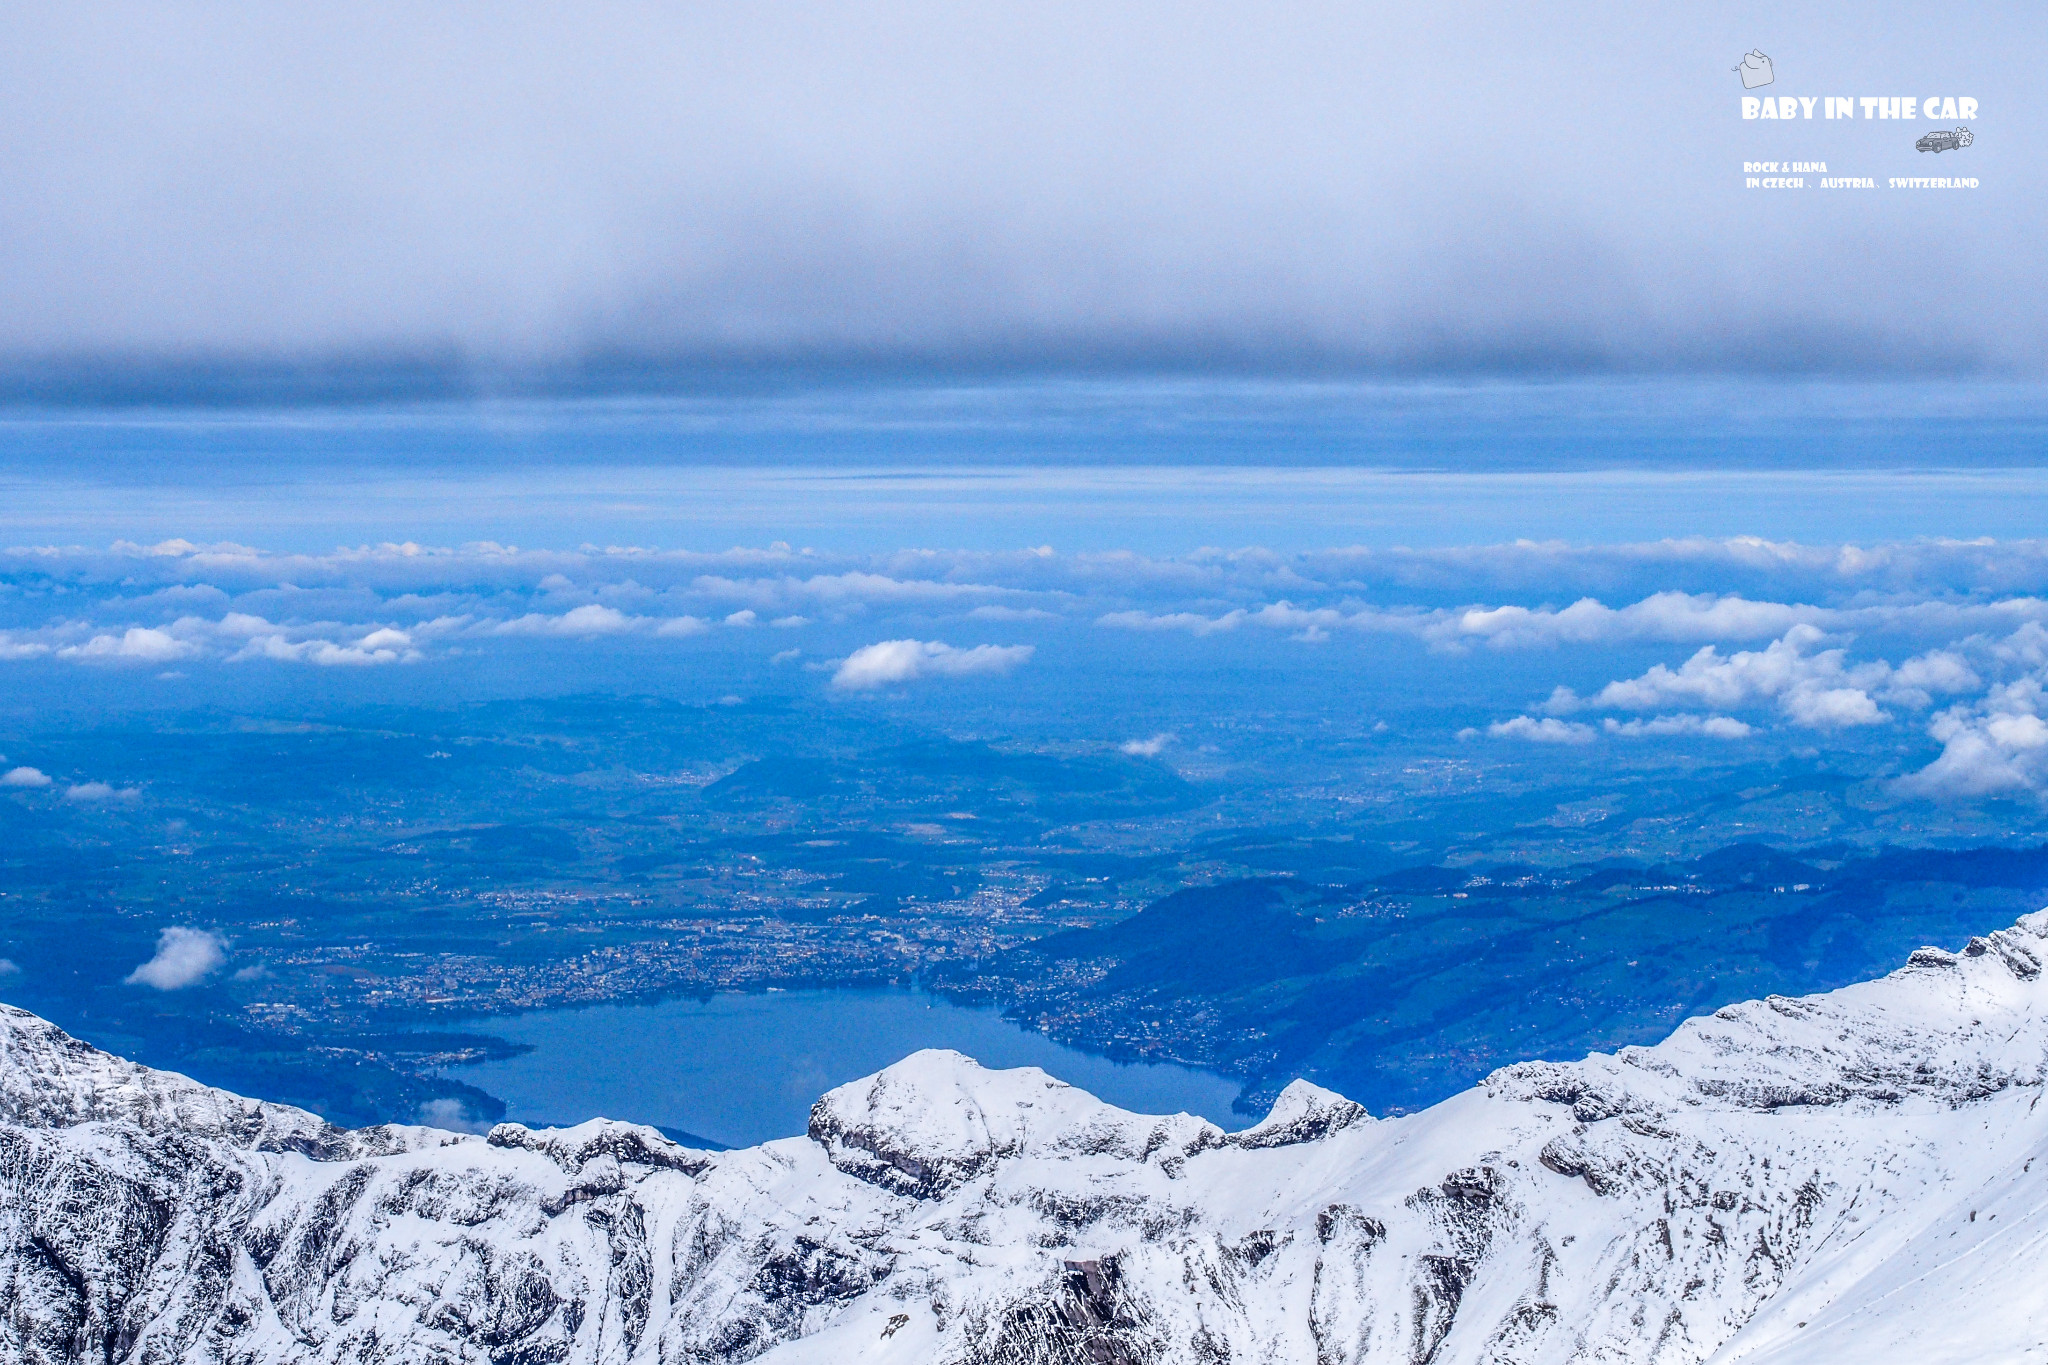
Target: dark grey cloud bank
x,y
530,188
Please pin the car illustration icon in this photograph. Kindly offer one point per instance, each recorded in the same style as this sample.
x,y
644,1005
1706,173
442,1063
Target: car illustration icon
x,y
1946,140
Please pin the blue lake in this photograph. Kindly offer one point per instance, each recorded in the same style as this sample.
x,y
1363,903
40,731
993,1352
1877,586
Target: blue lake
x,y
741,1069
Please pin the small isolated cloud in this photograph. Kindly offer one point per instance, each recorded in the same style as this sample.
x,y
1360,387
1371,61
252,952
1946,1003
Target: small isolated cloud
x,y
383,646
184,957
451,1113
790,622
1549,730
787,656
1714,727
8,967
25,777
742,618
900,661
137,645
100,791
1146,748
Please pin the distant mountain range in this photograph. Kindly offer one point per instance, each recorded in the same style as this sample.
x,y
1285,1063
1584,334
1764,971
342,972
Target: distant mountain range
x,y
1831,1178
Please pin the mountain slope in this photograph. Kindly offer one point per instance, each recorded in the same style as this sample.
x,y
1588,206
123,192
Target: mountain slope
x,y
1846,1176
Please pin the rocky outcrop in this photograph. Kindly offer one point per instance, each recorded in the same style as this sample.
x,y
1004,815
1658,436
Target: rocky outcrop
x,y
1847,1176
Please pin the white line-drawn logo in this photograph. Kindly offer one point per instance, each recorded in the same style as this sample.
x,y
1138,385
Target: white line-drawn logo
x,y
1946,140
1755,70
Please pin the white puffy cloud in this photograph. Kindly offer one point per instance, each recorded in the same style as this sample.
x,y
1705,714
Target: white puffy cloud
x,y
452,1115
1661,616
1673,616
1714,727
137,644
184,957
577,623
1914,682
1146,748
385,638
1820,690
384,645
855,588
899,661
1306,623
1983,757
1998,745
101,791
10,648
24,777
1831,708
1548,730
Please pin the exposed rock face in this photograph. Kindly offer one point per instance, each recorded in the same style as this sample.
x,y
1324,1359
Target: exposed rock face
x,y
1843,1177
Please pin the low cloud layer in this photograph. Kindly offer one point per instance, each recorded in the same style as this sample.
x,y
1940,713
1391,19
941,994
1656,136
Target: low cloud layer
x,y
184,957
1931,645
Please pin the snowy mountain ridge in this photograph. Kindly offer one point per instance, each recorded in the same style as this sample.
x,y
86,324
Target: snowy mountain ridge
x,y
1838,1177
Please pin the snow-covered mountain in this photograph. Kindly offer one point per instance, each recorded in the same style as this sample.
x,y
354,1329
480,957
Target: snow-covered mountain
x,y
1846,1177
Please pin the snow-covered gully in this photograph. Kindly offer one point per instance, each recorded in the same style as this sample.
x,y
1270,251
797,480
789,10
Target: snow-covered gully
x,y
1845,1177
